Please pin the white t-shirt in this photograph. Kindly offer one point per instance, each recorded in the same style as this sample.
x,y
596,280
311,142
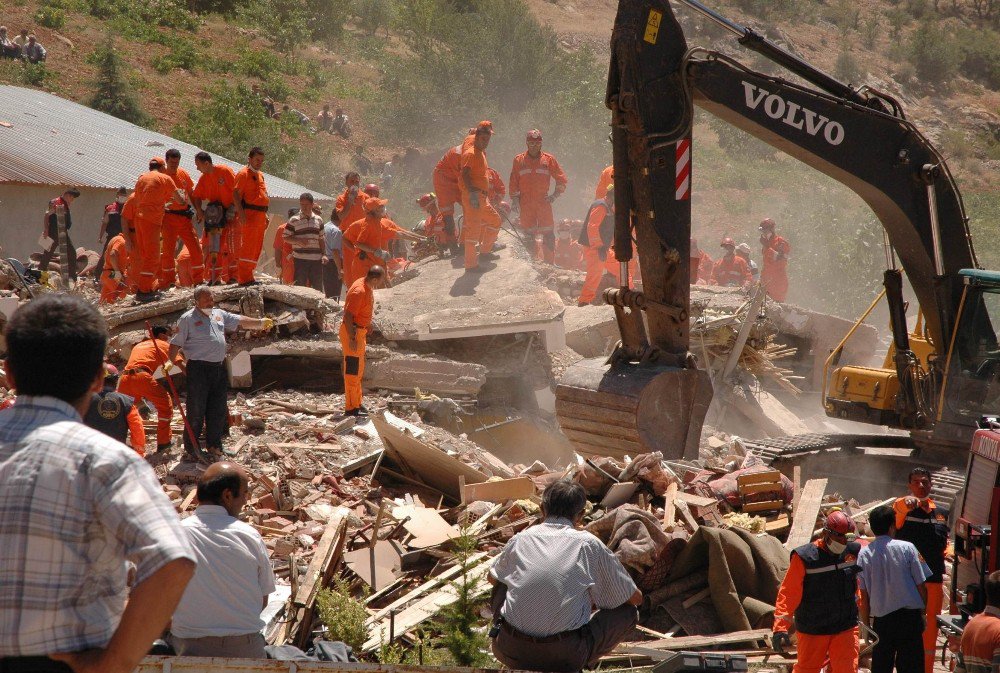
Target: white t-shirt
x,y
226,594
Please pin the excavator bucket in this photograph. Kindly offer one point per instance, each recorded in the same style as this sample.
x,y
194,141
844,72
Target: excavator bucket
x,y
630,409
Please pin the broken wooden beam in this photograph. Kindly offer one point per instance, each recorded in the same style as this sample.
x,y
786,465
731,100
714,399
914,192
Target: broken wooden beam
x,y
804,516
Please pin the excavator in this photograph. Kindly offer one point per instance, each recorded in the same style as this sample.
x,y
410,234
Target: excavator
x,y
938,379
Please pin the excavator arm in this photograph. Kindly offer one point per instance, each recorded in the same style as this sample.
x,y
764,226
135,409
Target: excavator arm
x,y
859,138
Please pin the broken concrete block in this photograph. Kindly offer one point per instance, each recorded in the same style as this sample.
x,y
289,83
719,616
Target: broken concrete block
x,y
432,375
240,375
591,331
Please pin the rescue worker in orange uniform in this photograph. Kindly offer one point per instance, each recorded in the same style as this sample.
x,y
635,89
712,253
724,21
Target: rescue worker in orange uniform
x,y
774,252
283,251
137,380
177,223
701,265
153,191
596,238
568,253
819,596
446,179
434,225
481,221
607,177
531,176
350,206
251,200
113,283
922,522
363,238
213,204
359,305
730,270
128,233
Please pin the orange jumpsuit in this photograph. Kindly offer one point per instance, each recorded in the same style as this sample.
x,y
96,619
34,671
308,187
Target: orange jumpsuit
x,y
153,190
568,254
253,191
177,223
935,590
349,252
113,285
434,228
347,216
283,255
136,431
592,254
840,650
447,177
607,178
774,275
701,269
184,278
360,303
218,185
371,232
530,179
482,224
137,381
731,271
128,222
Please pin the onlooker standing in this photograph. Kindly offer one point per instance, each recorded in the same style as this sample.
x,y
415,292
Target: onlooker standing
x,y
283,251
333,260
115,414
111,225
980,648
74,505
305,232
893,596
219,614
50,229
201,333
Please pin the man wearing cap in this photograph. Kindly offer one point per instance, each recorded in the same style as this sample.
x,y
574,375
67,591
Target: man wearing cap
x,y
730,270
922,522
701,265
482,223
213,205
153,191
447,175
305,233
50,229
115,414
596,238
177,223
531,176
819,596
359,306
774,251
893,596
251,201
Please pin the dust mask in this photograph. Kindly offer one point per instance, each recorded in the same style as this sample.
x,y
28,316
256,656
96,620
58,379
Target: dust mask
x,y
836,547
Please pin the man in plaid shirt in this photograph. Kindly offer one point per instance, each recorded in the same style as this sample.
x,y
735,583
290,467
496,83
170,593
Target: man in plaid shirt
x,y
75,504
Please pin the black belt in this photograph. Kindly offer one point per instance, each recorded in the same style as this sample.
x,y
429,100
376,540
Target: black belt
x,y
250,206
521,635
206,363
187,212
32,665
138,370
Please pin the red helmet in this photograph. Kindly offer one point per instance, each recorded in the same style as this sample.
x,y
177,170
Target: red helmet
x,y
371,189
534,134
766,223
727,242
110,371
426,200
838,522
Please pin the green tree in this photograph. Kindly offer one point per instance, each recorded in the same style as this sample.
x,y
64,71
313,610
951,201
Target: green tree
x,y
284,22
113,94
934,53
460,622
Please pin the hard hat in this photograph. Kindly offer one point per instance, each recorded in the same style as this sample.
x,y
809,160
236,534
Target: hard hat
x,y
534,134
485,126
426,200
373,204
695,250
743,247
157,161
610,190
727,242
838,522
371,189
110,371
766,223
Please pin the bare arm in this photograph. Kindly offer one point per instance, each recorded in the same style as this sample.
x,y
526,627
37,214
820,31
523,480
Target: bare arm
x,y
150,606
173,352
864,608
922,590
104,226
636,598
238,203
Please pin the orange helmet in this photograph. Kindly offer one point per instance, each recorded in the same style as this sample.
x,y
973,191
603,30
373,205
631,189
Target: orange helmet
x,y
728,242
838,522
371,189
485,126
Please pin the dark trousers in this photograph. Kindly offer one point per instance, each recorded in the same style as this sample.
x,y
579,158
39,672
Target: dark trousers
x,y
67,259
207,386
900,642
332,282
309,273
32,665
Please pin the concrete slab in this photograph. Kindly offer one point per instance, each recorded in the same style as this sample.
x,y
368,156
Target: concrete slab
x,y
444,302
591,331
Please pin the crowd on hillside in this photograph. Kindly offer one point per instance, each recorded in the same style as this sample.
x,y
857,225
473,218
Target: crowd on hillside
x,y
23,46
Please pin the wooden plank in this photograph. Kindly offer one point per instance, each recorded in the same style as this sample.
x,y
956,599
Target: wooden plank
x,y
766,487
171,664
796,486
333,537
696,598
767,476
669,506
804,516
696,500
763,506
188,499
696,642
424,588
499,491
685,512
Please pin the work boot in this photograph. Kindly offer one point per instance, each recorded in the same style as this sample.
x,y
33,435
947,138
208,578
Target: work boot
x,y
350,412
250,283
163,447
499,246
361,411
475,269
489,255
147,297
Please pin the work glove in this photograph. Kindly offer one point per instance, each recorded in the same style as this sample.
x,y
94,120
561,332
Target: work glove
x,y
449,227
780,642
551,197
474,200
515,204
602,254
167,366
267,324
384,255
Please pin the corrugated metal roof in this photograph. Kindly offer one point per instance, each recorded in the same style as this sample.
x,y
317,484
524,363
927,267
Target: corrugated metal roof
x,y
54,141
